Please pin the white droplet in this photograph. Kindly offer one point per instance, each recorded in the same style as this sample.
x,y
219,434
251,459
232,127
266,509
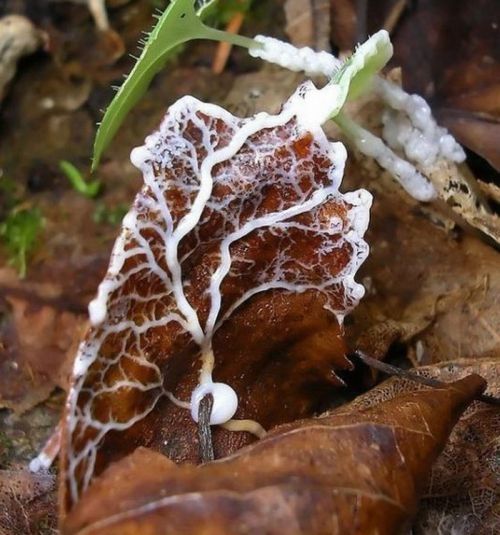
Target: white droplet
x,y
225,402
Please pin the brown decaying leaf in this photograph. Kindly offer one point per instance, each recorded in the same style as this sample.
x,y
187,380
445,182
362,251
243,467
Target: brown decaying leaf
x,y
464,494
349,472
308,23
425,285
464,488
27,503
289,274
44,314
37,344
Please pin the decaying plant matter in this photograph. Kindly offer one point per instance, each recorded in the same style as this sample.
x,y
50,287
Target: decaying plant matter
x,y
18,37
231,209
352,471
231,277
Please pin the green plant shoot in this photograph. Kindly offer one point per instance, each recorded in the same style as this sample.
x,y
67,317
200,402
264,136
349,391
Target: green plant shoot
x,y
88,189
181,23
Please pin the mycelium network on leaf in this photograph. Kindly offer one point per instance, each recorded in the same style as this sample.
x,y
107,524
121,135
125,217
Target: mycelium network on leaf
x,y
231,209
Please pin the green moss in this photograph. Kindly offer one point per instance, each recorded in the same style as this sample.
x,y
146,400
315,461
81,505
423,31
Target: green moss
x,y
19,231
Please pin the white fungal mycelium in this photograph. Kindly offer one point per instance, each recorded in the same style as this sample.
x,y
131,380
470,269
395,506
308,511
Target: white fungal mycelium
x,y
409,126
413,182
146,289
303,59
206,180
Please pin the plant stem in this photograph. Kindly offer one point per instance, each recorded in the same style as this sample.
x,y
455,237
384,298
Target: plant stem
x,y
204,430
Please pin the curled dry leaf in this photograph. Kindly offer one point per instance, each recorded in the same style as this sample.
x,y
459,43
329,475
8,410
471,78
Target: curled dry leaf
x,y
464,492
37,342
458,188
239,249
464,489
356,471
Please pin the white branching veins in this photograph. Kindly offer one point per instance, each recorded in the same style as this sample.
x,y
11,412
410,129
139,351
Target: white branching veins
x,y
230,208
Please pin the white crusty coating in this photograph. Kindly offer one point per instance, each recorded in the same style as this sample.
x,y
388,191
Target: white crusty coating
x,y
238,157
303,59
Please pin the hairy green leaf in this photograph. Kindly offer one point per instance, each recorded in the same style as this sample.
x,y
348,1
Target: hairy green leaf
x,y
356,75
179,23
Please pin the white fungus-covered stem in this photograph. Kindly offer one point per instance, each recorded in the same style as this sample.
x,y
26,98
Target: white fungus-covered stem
x,y
224,405
410,126
249,426
43,461
406,174
295,59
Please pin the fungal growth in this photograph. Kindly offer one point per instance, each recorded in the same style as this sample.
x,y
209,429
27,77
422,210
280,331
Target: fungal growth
x,y
230,209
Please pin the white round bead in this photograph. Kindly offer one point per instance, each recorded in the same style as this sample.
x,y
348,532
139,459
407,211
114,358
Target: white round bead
x,y
225,402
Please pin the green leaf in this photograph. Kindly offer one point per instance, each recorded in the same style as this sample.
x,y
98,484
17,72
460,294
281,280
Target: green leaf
x,y
19,232
178,24
88,189
355,76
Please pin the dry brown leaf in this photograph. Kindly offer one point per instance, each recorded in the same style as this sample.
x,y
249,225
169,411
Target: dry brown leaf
x,y
37,344
350,472
464,489
458,188
464,494
28,503
308,23
490,190
441,287
263,270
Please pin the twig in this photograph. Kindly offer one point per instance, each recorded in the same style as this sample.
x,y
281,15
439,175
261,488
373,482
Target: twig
x,y
50,451
394,15
98,11
412,376
204,431
362,14
224,48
